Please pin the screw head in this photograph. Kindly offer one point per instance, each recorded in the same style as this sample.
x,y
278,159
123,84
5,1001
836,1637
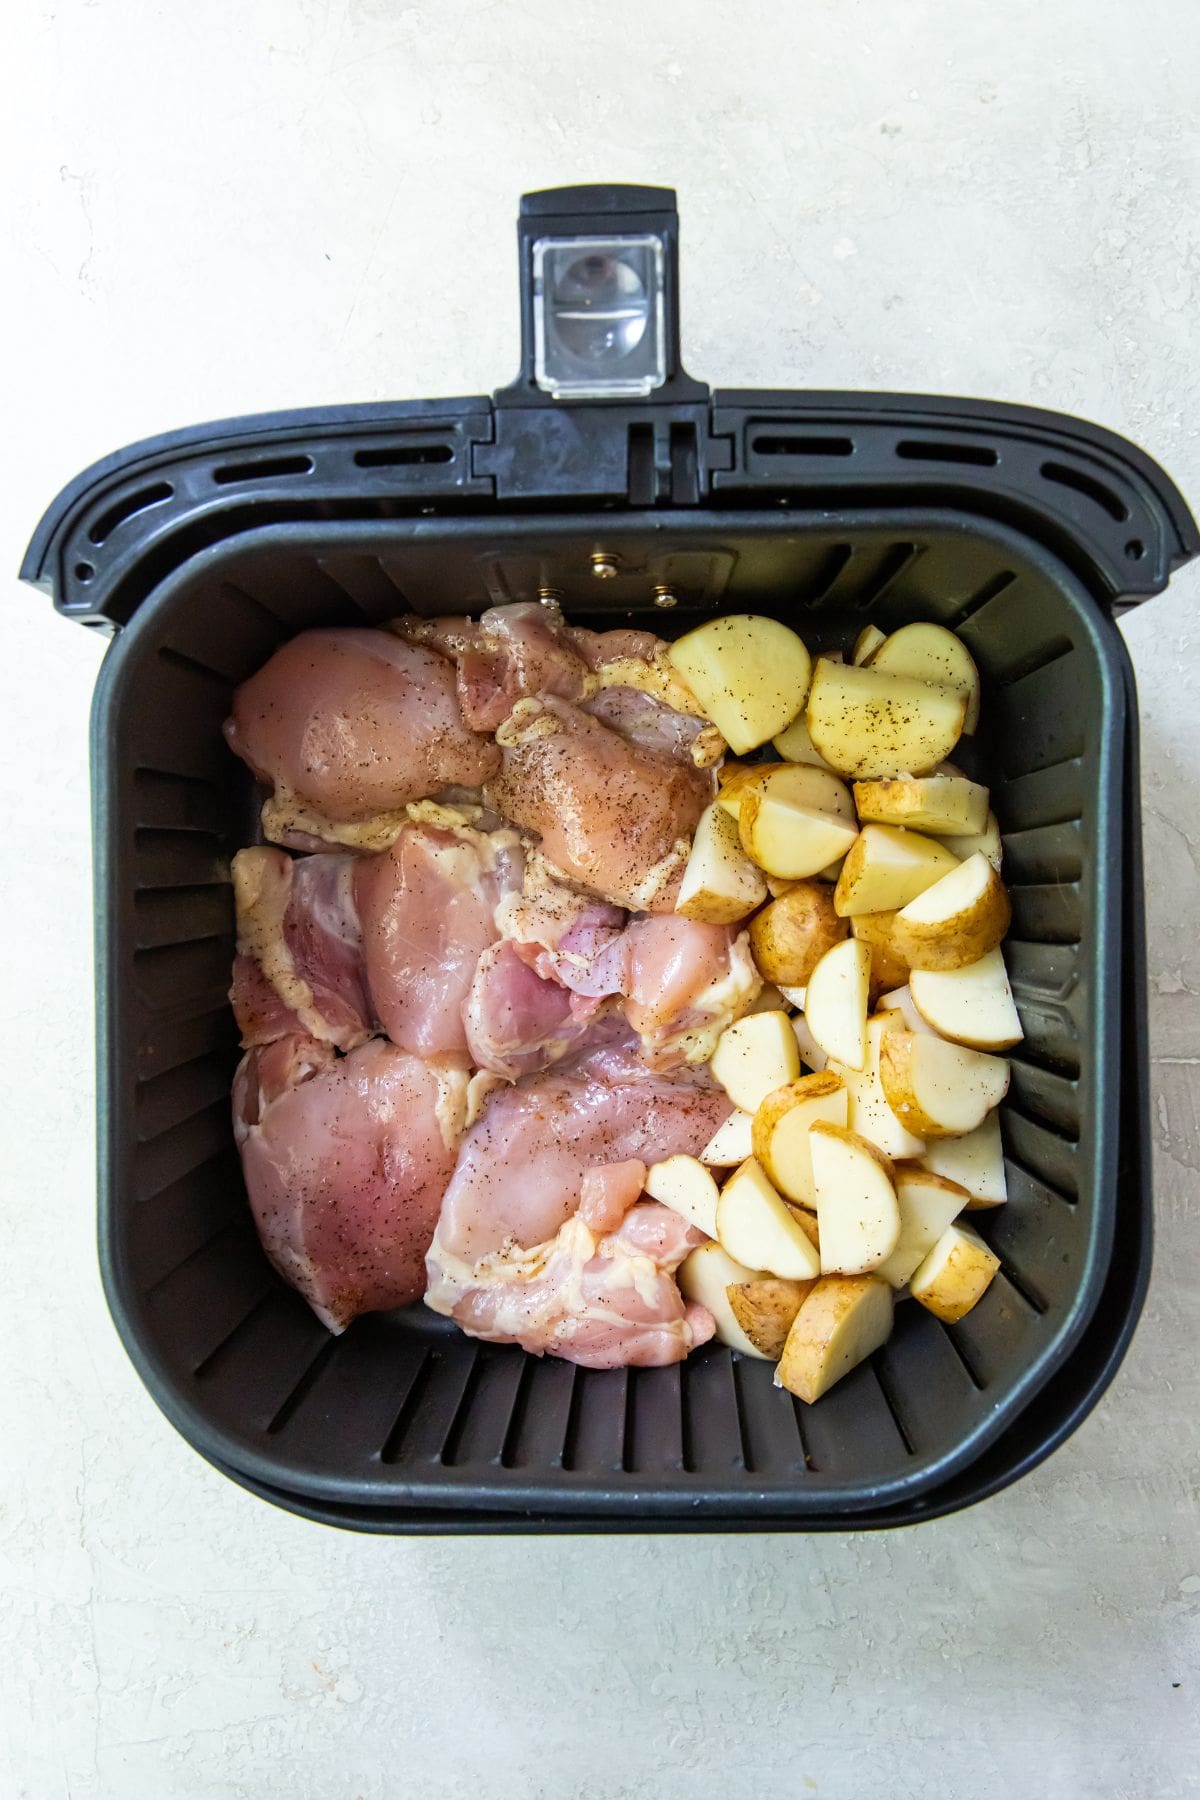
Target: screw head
x,y
665,596
603,567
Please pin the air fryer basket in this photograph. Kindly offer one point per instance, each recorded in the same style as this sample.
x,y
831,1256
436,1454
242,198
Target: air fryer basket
x,y
208,549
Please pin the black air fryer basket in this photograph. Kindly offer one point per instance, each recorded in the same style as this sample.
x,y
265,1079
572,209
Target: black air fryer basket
x,y
607,478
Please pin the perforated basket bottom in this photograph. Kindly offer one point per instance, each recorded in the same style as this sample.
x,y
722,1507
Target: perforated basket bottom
x,y
403,1410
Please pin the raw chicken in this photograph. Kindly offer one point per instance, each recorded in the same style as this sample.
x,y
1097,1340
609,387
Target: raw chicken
x,y
612,814
603,1299
521,1166
428,908
346,1161
299,967
354,723
518,1021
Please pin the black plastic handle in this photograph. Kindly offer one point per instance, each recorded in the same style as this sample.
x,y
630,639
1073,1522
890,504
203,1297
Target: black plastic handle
x,y
600,209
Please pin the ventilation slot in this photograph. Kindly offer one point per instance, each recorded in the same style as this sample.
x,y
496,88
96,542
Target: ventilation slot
x,y
832,568
1088,486
892,565
263,469
127,507
403,456
768,445
1041,658
978,455
989,591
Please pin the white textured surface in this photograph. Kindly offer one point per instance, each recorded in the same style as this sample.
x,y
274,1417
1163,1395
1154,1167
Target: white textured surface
x,y
215,208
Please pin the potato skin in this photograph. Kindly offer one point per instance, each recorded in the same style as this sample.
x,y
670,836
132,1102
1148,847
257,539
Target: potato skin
x,y
888,967
843,1319
765,1308
789,937
955,944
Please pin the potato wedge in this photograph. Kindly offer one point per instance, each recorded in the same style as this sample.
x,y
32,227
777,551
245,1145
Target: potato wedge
x,y
886,867
789,840
900,1001
687,1187
844,1319
867,1110
974,1006
939,1089
755,1056
807,1221
835,1002
705,1275
975,1162
811,1053
756,1228
870,722
765,1308
929,1205
955,1275
720,883
749,673
956,920
735,779
731,1143
866,644
789,937
888,967
796,746
941,805
931,653
857,1211
988,840
780,1135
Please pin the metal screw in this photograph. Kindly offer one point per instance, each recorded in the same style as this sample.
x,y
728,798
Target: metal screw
x,y
665,596
603,567
549,596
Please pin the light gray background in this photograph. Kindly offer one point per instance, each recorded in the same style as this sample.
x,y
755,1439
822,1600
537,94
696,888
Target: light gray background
x,y
212,209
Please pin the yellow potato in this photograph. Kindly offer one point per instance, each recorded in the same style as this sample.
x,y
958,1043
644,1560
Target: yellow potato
x,y
705,1276
780,1133
730,1144
988,840
788,840
939,1089
857,1209
942,805
844,1319
807,1221
796,745
817,790
975,1162
931,653
869,722
720,883
835,1002
765,1309
886,867
686,1186
929,1205
749,673
756,1228
867,1111
888,967
789,937
956,920
755,1056
955,1275
973,1005
866,644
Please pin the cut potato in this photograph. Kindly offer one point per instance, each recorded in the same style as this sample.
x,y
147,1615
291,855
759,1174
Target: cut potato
x,y
842,1321
974,1006
736,779
955,1275
988,841
756,1228
720,883
939,804
886,867
750,675
955,921
765,1309
975,1162
939,1089
795,996
807,1221
796,745
857,1212
768,999
928,1206
687,1187
777,887
835,1002
780,1138
811,1053
900,1001
789,840
870,722
888,967
789,937
931,653
754,1057
705,1276
820,790
867,643
731,1143
868,1112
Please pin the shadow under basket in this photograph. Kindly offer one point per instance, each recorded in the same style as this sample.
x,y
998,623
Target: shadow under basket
x,y
403,1417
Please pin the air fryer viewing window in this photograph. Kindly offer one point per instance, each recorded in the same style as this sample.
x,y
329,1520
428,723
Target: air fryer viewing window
x,y
598,316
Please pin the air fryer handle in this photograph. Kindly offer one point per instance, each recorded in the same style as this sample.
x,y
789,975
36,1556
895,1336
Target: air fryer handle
x,y
600,210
